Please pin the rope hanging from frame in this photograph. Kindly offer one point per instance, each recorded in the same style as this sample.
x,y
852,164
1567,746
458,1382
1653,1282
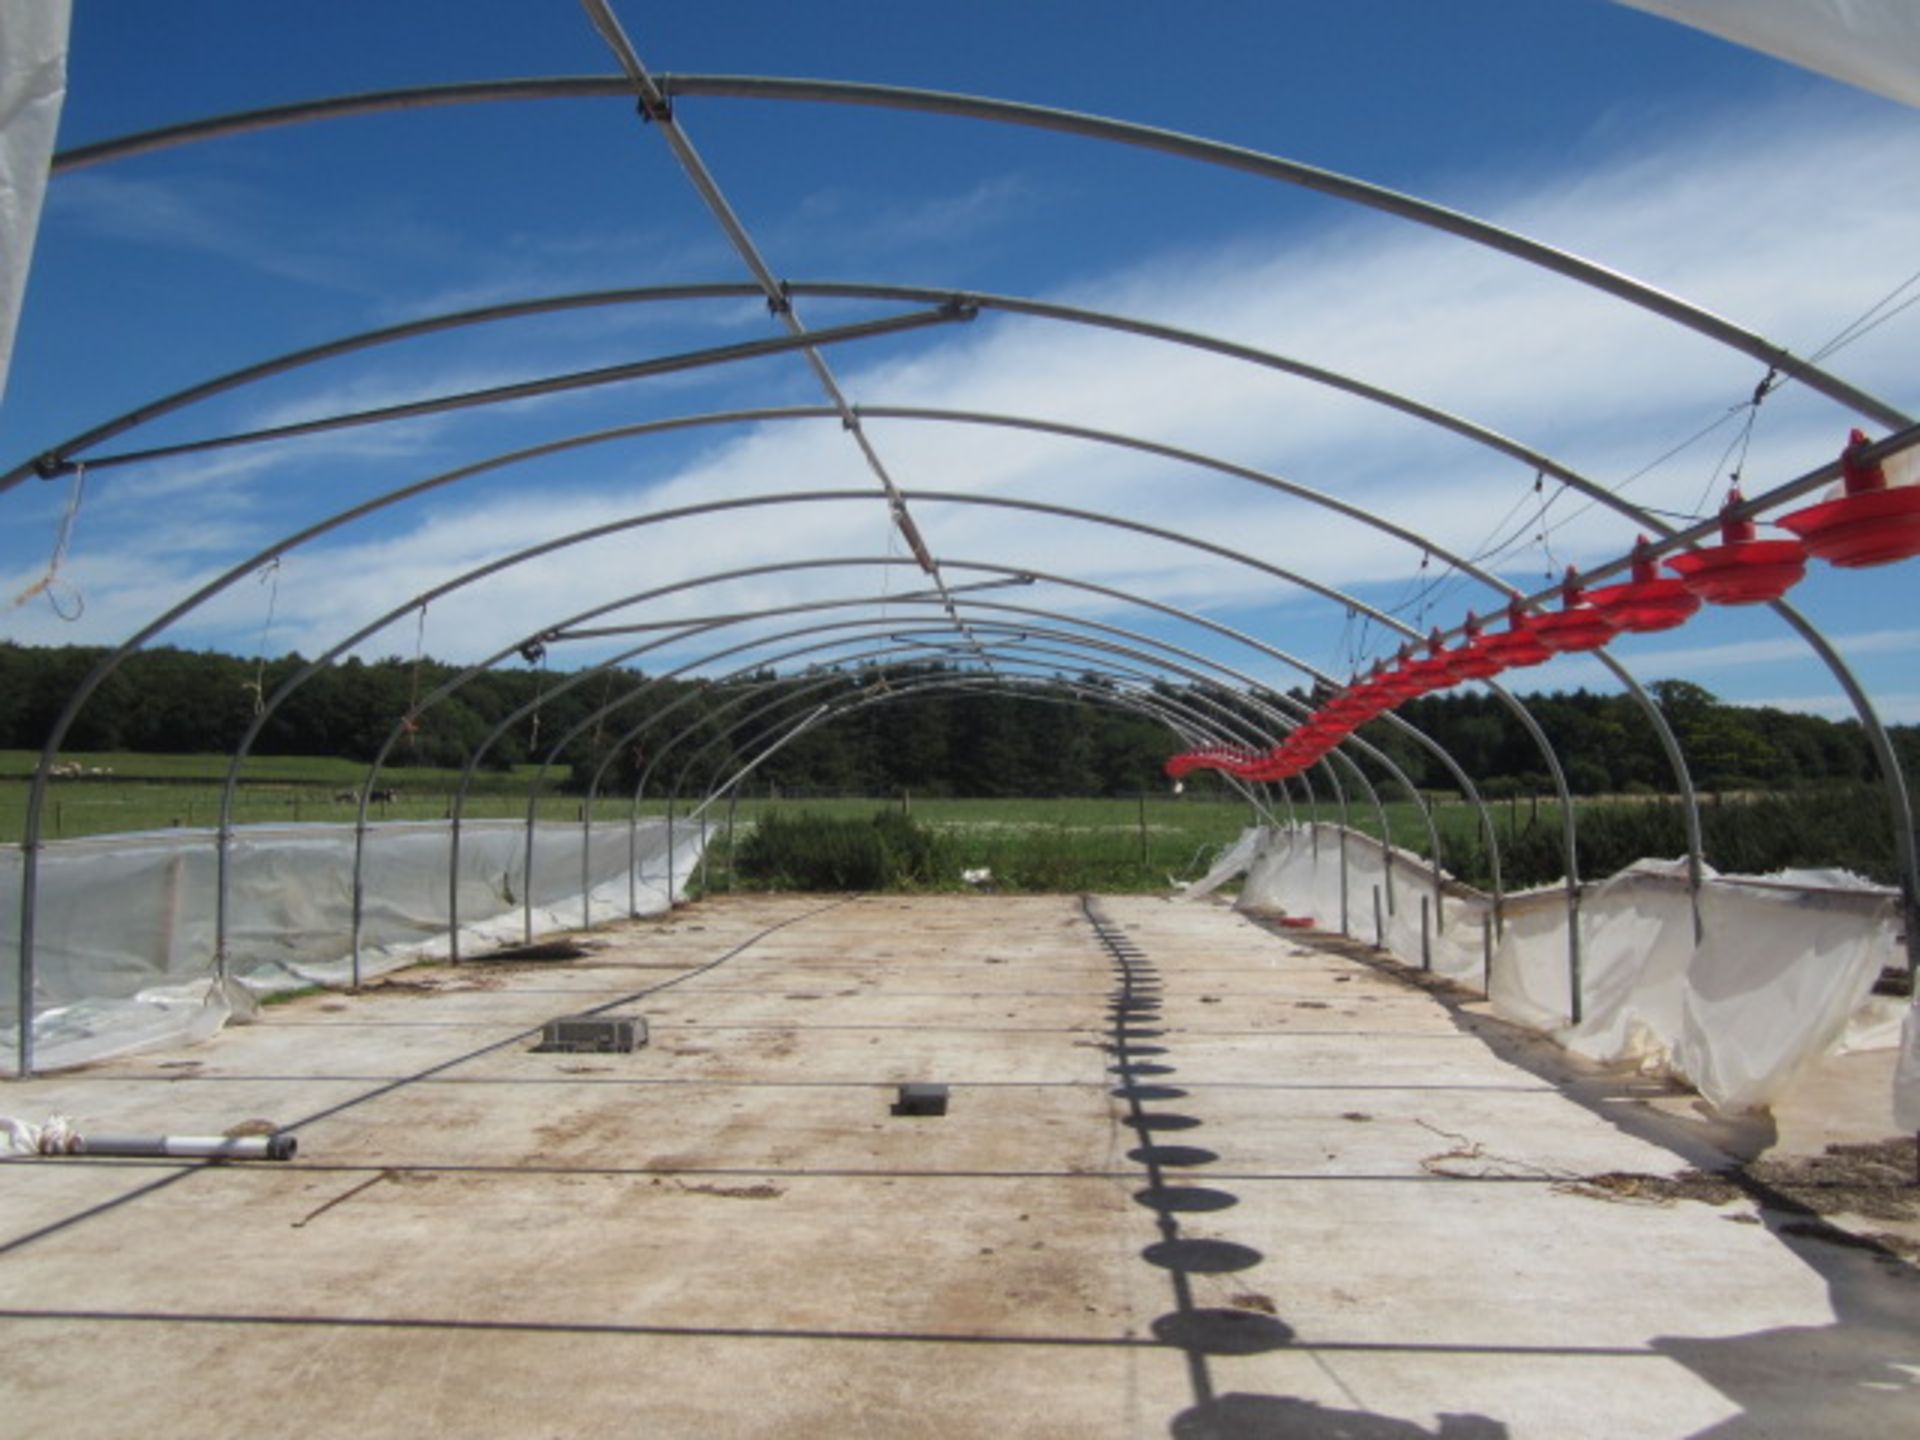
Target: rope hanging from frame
x,y
63,537
270,577
410,723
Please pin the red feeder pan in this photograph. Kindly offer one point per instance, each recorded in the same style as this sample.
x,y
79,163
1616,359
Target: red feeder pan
x,y
1577,626
1647,602
1436,670
1741,570
1869,525
1516,646
1356,704
1412,678
1473,660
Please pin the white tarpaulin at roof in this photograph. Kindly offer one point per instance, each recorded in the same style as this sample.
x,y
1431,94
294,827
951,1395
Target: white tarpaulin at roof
x,y
1874,44
33,82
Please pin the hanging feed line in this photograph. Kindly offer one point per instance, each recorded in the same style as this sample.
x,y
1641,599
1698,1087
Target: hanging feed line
x,y
410,723
1865,323
1741,443
49,581
257,687
535,653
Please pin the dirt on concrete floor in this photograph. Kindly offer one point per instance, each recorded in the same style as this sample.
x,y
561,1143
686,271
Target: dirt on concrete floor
x,y
1871,1182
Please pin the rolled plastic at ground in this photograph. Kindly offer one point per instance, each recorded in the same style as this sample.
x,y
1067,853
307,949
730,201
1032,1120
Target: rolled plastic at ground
x,y
192,1147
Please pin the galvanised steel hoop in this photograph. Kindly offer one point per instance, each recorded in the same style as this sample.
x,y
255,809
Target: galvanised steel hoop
x,y
1156,659
1113,130
233,575
1269,167
1002,650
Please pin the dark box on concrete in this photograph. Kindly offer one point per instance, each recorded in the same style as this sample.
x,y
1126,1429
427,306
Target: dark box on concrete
x,y
594,1034
921,1099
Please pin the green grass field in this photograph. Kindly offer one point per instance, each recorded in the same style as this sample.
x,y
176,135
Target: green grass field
x,y
158,792
1065,843
1027,843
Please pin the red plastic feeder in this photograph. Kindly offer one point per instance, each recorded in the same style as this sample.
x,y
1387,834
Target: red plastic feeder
x,y
1355,705
1436,668
1648,602
1741,570
1389,687
1412,678
1473,660
1516,646
1576,626
1869,525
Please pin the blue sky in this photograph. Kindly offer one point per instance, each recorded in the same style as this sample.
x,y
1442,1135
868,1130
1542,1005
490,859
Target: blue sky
x,y
1782,200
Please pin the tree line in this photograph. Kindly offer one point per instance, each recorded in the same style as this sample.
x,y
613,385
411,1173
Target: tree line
x,y
893,733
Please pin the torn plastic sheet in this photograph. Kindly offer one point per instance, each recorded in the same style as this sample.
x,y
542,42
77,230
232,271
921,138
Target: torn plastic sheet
x,y
125,924
33,86
1230,865
1782,976
1906,1075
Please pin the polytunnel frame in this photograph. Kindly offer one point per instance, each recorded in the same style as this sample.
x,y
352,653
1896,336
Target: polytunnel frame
x,y
656,106
1184,721
495,462
1200,681
1038,689
1011,574
595,718
961,304
1080,657
1161,710
866,627
1252,698
1255,689
828,713
425,598
106,665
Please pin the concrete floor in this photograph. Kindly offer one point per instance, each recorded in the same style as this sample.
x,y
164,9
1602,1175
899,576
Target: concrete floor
x,y
1196,1179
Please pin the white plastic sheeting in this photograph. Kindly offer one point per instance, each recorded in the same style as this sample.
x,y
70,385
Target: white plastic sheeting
x,y
33,83
1231,863
1906,1076
1874,44
1781,966
124,928
1300,870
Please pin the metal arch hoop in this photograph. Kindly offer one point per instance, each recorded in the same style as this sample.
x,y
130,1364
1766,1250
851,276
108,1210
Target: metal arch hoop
x,y
1039,117
1079,657
1139,135
562,542
1878,740
453,685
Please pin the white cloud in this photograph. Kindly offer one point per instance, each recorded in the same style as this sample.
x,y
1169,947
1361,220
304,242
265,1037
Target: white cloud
x,y
1712,215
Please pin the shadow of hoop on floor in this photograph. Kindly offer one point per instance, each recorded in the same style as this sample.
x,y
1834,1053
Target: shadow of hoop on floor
x,y
1286,1417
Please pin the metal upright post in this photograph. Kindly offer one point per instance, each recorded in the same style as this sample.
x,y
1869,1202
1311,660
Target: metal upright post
x,y
733,805
671,801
